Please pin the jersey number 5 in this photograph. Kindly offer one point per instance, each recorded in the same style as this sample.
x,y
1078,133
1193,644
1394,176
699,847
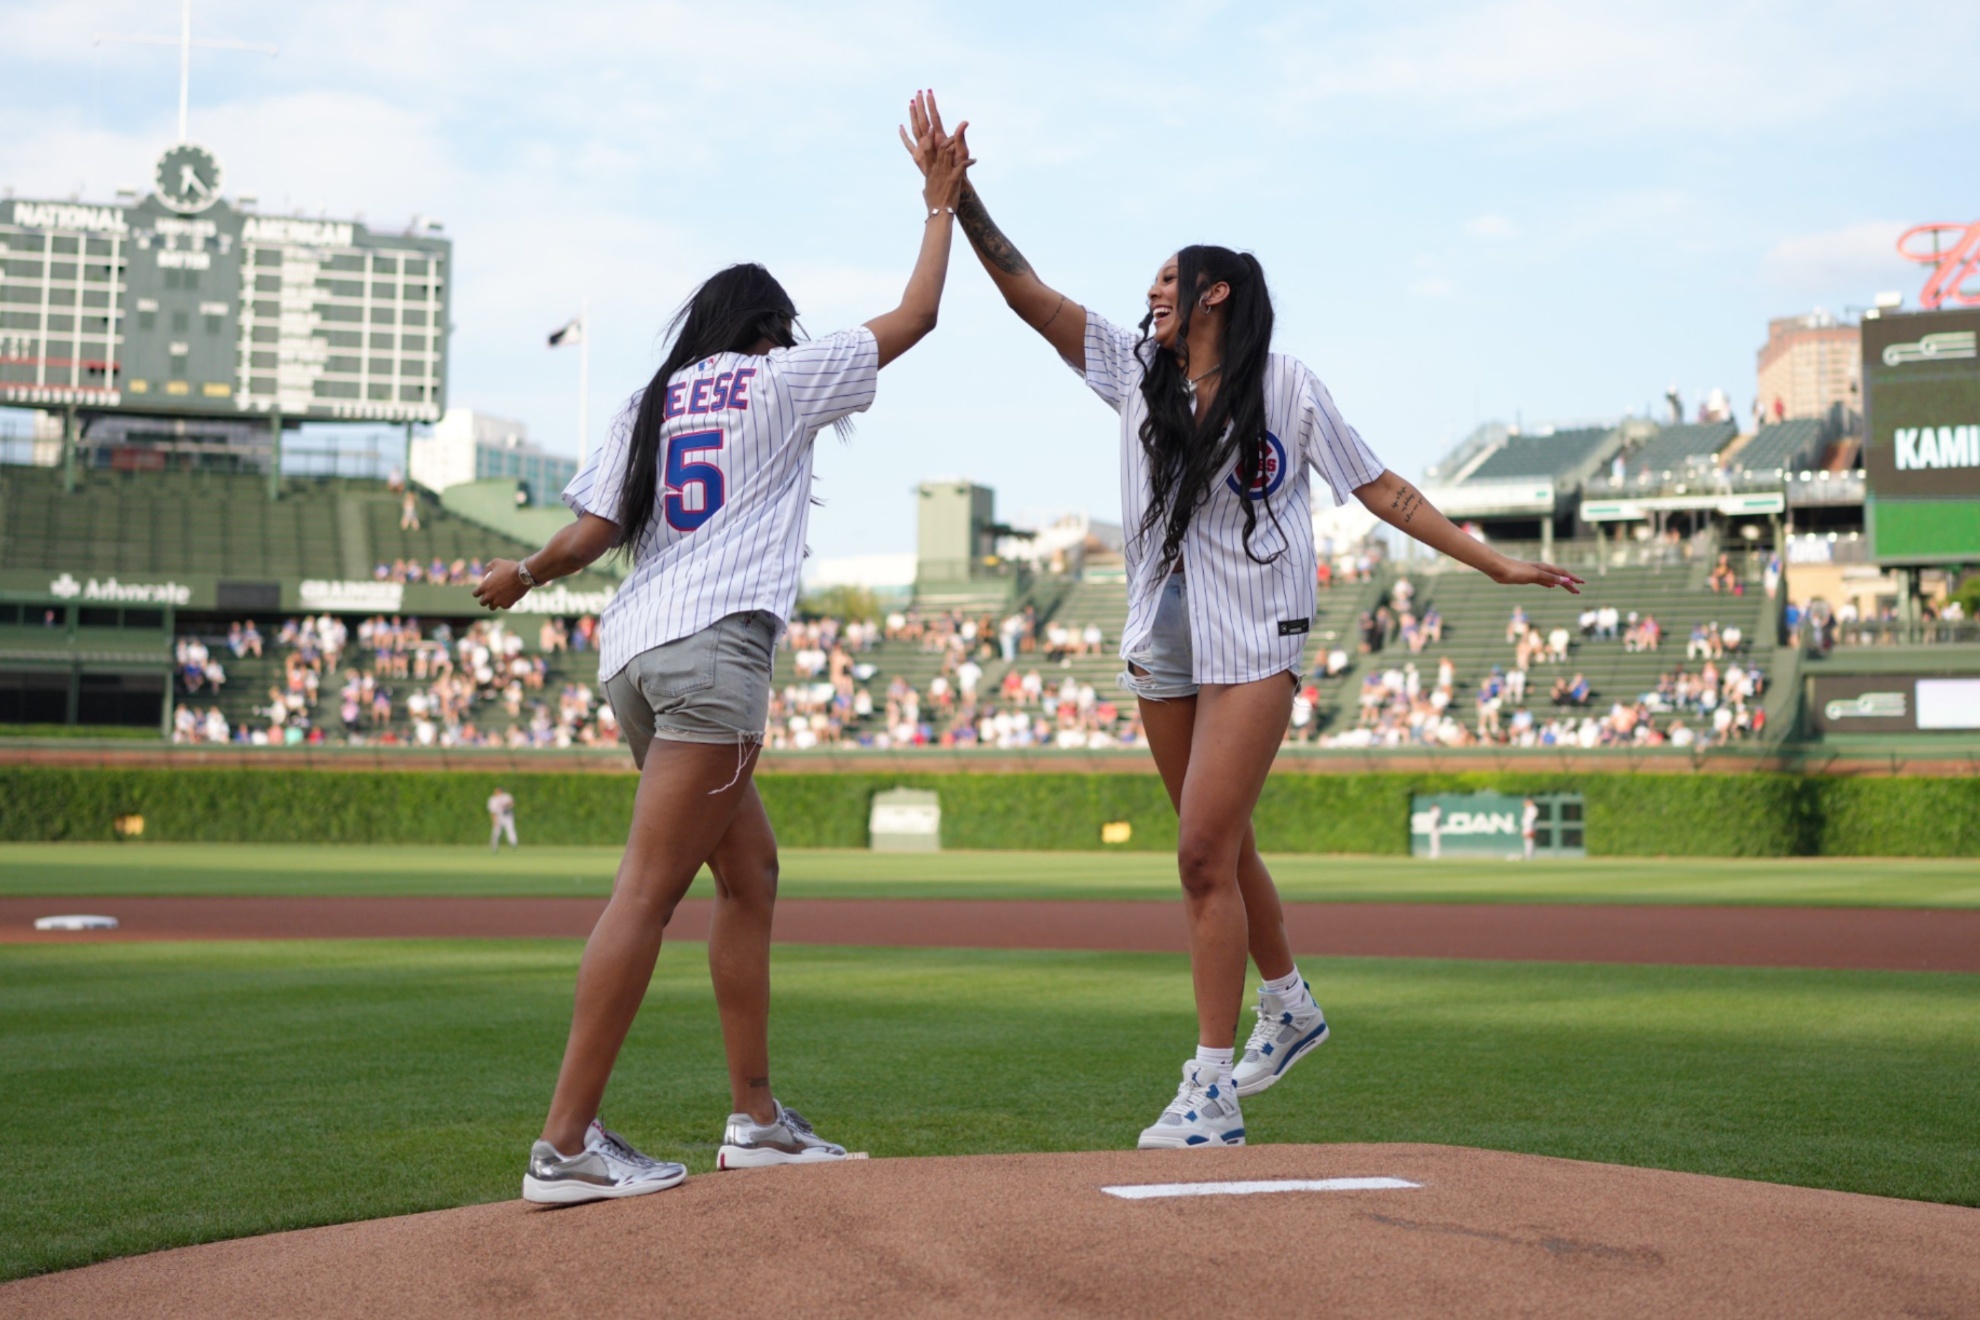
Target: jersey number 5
x,y
695,491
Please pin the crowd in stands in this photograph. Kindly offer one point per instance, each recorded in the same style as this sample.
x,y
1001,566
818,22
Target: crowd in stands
x,y
836,700
1396,620
197,668
833,703
387,680
392,681
1400,705
959,635
1345,566
440,573
1822,627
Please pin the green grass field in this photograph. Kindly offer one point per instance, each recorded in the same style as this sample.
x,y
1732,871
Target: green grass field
x,y
160,1094
55,869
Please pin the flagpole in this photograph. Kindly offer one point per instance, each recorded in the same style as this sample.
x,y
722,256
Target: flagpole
x,y
185,64
584,378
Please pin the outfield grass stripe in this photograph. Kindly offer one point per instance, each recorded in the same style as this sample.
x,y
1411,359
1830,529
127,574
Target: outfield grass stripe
x,y
56,869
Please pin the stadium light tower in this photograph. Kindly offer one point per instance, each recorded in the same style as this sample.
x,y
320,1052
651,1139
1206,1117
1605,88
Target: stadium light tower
x,y
184,41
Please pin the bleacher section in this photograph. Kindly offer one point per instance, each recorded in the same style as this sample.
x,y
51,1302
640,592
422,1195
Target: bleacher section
x,y
1542,455
1475,613
1783,447
1675,447
1073,604
245,698
223,525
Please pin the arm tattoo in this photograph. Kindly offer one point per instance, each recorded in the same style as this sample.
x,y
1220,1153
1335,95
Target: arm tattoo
x,y
1055,313
1406,503
986,238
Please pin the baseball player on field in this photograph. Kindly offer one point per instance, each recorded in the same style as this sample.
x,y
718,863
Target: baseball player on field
x,y
706,487
1218,435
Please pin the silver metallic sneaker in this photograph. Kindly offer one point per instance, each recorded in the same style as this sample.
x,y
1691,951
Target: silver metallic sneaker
x,y
1282,1038
607,1167
747,1144
1202,1114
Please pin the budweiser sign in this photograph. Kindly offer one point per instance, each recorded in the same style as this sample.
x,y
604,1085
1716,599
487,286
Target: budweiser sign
x,y
1953,253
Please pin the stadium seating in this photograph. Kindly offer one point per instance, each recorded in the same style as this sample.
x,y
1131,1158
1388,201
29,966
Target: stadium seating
x,y
1783,447
1475,612
223,525
1549,455
245,697
1676,447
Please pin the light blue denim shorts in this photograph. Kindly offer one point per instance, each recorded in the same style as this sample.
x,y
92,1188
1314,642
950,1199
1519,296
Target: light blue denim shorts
x,y
1168,658
710,687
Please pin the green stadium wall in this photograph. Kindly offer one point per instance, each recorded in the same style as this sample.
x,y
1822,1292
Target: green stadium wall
x,y
1755,815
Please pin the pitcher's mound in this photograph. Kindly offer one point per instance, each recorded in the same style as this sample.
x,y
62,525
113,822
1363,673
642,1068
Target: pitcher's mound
x,y
1481,1233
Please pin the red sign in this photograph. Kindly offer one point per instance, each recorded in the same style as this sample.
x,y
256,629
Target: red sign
x,y
1953,251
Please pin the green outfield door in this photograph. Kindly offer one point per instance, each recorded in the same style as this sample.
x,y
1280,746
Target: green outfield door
x,y
1494,825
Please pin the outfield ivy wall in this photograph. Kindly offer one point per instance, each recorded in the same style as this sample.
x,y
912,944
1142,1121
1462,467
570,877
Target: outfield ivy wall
x,y
1704,815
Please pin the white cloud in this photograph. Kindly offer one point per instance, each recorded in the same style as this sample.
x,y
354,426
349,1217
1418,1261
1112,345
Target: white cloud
x,y
1598,70
1432,286
1491,226
1857,259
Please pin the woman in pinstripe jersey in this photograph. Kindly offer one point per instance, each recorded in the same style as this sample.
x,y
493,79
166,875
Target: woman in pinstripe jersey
x,y
707,490
1218,437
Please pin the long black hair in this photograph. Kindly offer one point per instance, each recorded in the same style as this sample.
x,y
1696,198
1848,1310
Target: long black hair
x,y
733,311
1186,457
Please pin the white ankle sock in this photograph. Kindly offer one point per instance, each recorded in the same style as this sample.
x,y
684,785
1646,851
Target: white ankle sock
x,y
1224,1060
1291,990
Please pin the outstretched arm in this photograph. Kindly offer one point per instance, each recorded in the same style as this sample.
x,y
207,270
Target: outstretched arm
x,y
1402,506
574,546
1059,319
904,327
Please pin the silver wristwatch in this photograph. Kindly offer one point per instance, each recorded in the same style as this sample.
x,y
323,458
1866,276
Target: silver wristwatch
x,y
522,571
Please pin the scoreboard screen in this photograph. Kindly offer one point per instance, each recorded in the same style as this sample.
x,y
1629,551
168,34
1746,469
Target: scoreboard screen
x,y
1921,446
184,303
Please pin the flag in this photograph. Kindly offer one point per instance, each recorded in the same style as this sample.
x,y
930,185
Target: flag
x,y
571,332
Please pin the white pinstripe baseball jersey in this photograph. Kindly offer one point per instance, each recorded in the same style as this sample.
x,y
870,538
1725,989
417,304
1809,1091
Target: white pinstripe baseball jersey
x,y
1247,620
734,497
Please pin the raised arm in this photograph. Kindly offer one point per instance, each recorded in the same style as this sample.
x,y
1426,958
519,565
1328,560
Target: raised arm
x,y
904,327
573,547
1402,506
1059,319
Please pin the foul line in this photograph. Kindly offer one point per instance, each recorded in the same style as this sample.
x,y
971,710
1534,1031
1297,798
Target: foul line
x,y
1149,1191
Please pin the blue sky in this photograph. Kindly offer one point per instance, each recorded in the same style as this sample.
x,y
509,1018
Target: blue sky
x,y
1468,211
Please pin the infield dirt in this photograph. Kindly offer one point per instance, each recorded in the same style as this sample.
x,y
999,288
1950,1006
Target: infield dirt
x,y
1483,1234
1896,939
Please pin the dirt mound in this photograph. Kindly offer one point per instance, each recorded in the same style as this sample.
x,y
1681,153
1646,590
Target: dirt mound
x,y
1482,1233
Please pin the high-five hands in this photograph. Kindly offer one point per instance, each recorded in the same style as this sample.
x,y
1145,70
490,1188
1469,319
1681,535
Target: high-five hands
x,y
928,136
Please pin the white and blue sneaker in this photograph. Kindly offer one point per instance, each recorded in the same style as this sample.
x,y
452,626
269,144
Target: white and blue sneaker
x,y
1283,1037
1204,1113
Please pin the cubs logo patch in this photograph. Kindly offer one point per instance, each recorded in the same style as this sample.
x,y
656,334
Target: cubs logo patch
x,y
1271,471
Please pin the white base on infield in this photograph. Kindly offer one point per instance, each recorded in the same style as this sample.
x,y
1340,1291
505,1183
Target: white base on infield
x,y
1150,1191
75,922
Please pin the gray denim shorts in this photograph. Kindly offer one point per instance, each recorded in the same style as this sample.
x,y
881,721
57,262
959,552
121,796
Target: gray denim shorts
x,y
710,687
1168,660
